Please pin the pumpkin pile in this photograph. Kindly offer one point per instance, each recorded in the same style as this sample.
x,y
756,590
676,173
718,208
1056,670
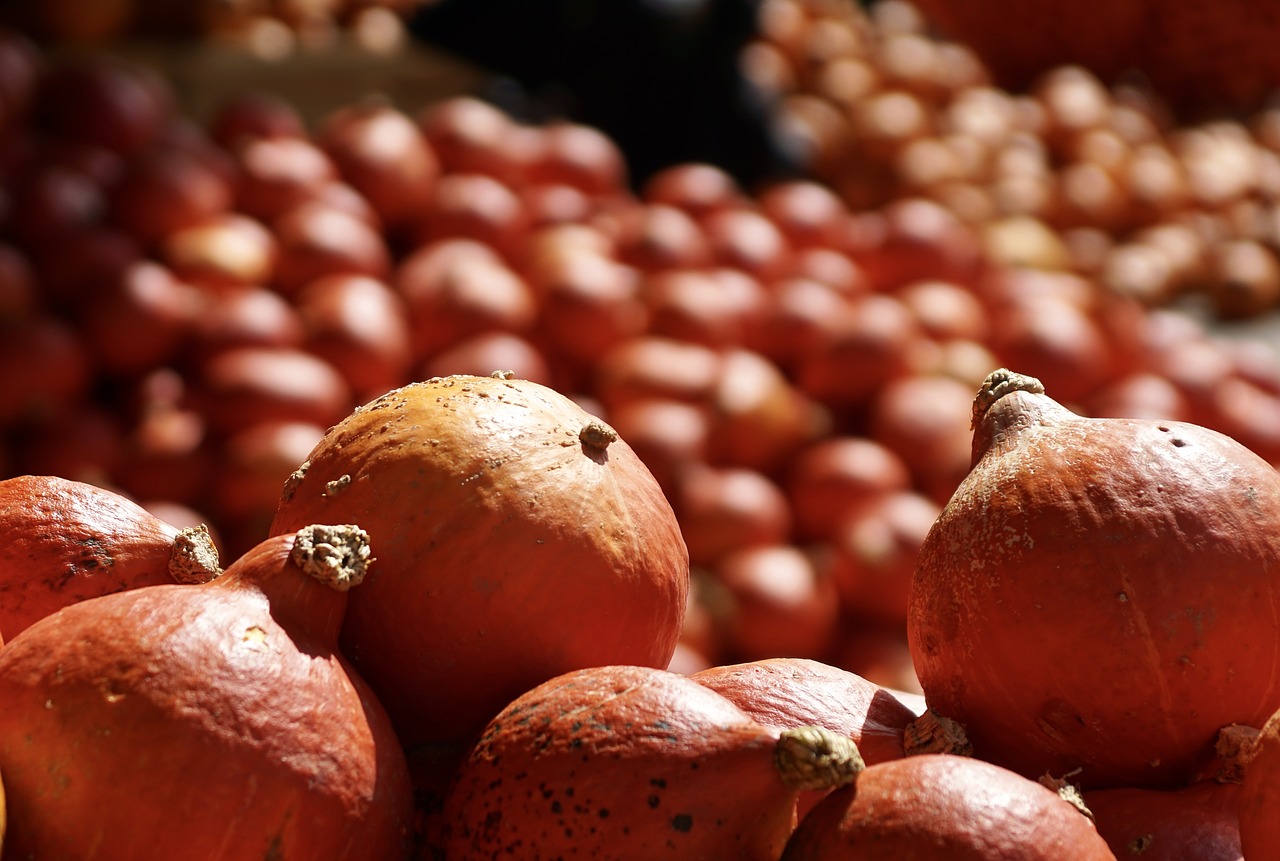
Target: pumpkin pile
x,y
1078,167
431,487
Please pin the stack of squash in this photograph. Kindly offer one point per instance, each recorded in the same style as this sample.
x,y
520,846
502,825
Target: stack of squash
x,y
455,643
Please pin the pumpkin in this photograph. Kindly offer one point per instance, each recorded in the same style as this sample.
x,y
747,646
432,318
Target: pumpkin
x,y
68,541
624,762
943,807
1193,823
216,720
793,692
518,538
1202,59
1259,826
1120,570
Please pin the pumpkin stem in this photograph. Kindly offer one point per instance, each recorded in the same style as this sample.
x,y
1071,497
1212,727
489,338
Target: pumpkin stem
x,y
814,758
935,733
1233,748
1068,792
194,557
597,435
999,383
337,556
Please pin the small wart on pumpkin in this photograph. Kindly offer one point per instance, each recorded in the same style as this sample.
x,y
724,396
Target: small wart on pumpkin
x,y
597,435
295,478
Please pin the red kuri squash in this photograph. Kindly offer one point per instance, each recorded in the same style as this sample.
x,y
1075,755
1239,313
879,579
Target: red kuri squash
x,y
1193,823
1099,594
786,693
518,538
206,721
942,807
617,762
66,541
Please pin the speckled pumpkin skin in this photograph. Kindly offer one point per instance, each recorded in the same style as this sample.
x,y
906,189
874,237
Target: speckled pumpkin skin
x,y
65,541
620,764
509,550
213,721
1101,594
942,807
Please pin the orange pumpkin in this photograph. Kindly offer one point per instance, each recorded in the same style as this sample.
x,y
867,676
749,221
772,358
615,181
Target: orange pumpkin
x,y
1201,58
616,762
942,807
518,538
1193,823
793,692
69,541
216,720
1098,593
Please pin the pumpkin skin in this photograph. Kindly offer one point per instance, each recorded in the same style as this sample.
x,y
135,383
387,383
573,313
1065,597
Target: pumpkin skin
x,y
1259,824
1120,570
215,720
67,541
792,692
616,763
943,807
1193,823
510,550
795,692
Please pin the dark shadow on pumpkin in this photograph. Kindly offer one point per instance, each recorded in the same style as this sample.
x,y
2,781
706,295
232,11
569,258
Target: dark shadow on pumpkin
x,y
599,455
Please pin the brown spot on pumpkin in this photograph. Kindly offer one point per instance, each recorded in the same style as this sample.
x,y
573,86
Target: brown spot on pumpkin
x,y
1059,720
1140,844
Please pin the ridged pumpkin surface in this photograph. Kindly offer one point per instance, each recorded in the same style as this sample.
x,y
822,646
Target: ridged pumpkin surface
x,y
791,692
517,539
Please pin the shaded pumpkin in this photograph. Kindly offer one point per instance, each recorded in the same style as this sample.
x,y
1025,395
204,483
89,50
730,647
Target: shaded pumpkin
x,y
518,538
1119,569
69,541
1193,823
216,720
943,807
1259,827
620,762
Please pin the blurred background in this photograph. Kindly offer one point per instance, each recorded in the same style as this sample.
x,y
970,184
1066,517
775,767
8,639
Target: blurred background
x,y
777,244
